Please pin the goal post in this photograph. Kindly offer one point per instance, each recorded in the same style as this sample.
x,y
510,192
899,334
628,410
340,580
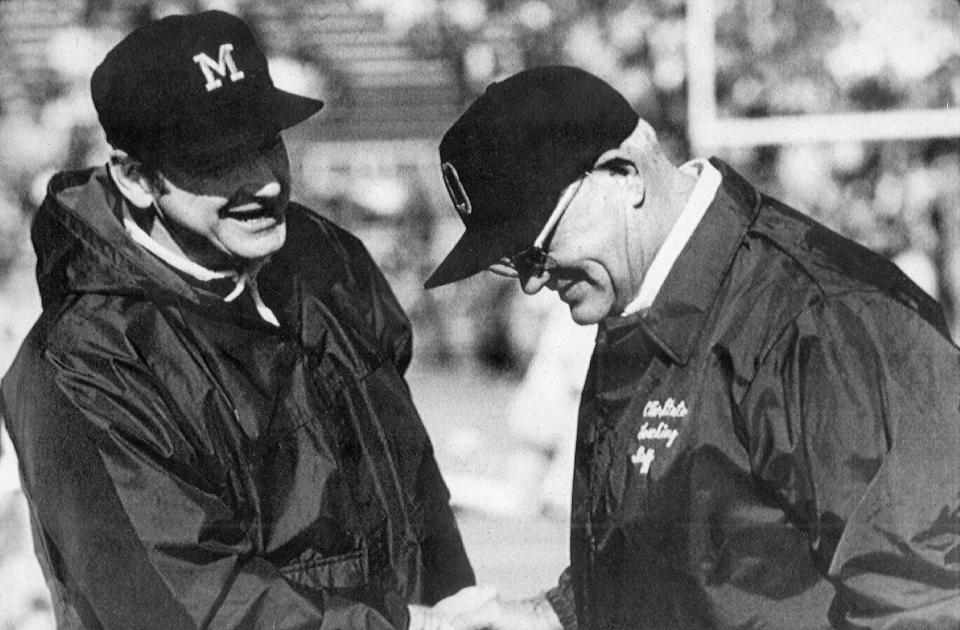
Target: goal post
x,y
708,132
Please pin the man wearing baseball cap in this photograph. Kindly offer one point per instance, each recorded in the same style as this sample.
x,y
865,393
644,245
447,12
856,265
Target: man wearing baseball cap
x,y
770,428
210,414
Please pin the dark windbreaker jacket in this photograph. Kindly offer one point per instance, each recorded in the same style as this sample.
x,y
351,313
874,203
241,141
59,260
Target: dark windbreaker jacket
x,y
191,466
775,444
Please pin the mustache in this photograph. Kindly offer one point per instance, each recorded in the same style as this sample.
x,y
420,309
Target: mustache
x,y
267,205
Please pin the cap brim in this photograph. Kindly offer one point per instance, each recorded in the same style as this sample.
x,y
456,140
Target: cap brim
x,y
481,247
213,142
286,109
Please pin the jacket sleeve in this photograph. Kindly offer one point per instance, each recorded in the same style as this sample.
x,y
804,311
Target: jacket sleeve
x,y
859,430
141,534
446,568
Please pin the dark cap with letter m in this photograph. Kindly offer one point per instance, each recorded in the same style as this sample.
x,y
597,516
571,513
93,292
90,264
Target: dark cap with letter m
x,y
192,91
508,158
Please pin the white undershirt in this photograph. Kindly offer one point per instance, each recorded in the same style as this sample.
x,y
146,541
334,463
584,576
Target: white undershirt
x,y
245,279
703,194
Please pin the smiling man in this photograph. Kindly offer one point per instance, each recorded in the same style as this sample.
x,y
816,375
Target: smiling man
x,y
770,427
210,414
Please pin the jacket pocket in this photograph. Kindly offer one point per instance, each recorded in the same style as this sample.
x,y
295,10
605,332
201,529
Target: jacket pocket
x,y
366,565
343,572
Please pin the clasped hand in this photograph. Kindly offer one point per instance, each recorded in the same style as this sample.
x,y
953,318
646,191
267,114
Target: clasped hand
x,y
481,608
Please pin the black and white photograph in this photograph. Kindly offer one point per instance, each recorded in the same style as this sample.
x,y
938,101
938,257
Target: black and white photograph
x,y
480,315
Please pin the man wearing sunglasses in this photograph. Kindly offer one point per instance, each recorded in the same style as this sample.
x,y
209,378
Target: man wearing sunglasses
x,y
770,428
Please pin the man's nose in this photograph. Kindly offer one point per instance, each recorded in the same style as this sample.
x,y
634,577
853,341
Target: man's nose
x,y
269,190
259,179
532,283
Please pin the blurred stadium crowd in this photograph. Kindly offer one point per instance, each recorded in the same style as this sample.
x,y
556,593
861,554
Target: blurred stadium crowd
x,y
395,74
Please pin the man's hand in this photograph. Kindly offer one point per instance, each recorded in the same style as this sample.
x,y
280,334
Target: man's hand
x,y
496,614
439,617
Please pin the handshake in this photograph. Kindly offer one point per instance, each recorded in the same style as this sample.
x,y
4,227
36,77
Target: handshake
x,y
481,608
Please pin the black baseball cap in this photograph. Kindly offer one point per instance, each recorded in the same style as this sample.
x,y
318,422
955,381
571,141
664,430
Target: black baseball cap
x,y
508,158
192,91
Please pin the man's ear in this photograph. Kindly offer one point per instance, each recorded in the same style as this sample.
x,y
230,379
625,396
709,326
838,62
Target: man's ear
x,y
129,176
620,161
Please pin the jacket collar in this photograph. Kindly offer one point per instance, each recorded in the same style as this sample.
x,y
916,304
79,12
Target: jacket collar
x,y
676,318
82,246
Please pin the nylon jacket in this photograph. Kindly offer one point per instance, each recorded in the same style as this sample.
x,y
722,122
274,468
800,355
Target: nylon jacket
x,y
188,465
774,444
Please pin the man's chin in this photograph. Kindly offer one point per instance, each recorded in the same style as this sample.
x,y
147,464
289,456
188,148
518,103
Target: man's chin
x,y
261,244
589,304
583,315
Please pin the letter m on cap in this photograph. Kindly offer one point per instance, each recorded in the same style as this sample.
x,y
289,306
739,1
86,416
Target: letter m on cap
x,y
225,63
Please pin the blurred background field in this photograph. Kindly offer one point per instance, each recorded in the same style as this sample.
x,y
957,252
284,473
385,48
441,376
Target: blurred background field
x,y
394,75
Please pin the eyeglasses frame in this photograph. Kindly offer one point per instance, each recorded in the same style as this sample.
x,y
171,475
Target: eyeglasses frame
x,y
535,260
